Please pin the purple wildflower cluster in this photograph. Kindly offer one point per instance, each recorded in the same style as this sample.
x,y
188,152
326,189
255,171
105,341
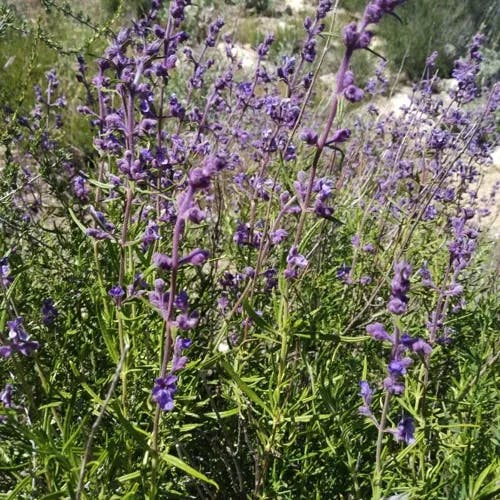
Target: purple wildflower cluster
x,y
449,295
402,345
42,171
426,160
400,287
165,387
170,150
163,153
18,340
214,193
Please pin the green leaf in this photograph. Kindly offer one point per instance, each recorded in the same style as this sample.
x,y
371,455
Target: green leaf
x,y
76,221
257,320
244,387
13,495
54,404
128,477
353,340
180,464
479,482
223,414
55,494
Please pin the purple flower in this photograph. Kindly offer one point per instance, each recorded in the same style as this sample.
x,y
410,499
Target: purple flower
x,y
426,276
197,257
16,330
296,259
405,431
242,235
350,35
213,31
454,289
117,293
279,236
164,390
344,273
466,71
309,50
98,234
397,367
19,340
185,322
159,298
394,385
323,8
422,347
400,286
353,93
80,188
179,361
150,235
5,278
287,67
181,301
264,47
368,248
365,280
366,393
438,139
340,135
49,312
431,60
407,340
199,178
6,396
295,262
271,280
176,109
373,13
378,332
196,215
323,210
6,351
397,306
162,261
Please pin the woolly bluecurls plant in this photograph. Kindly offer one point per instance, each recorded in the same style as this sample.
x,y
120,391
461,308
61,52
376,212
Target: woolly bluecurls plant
x,y
426,162
309,193
434,177
188,212
157,150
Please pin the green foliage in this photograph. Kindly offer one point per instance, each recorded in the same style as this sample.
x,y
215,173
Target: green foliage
x,y
259,6
445,26
267,408
136,8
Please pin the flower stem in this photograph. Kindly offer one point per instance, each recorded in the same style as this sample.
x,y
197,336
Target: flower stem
x,y
378,457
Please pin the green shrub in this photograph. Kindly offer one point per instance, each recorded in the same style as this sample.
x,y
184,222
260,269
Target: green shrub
x,y
445,26
259,6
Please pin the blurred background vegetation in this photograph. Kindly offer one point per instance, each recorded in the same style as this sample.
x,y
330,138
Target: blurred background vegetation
x,y
36,35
